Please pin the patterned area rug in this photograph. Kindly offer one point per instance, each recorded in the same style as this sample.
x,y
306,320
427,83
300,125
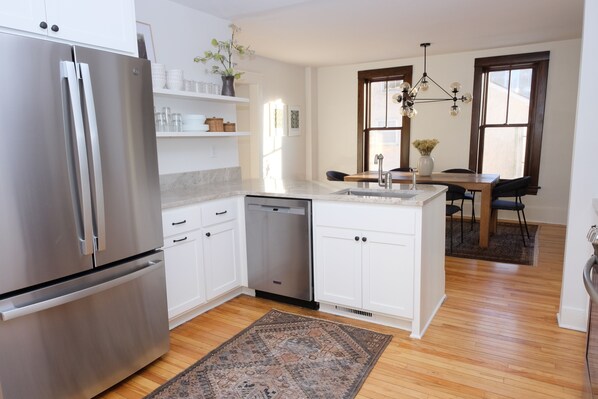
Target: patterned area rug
x,y
283,355
506,245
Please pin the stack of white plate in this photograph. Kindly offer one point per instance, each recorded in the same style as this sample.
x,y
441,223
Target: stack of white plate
x,y
194,123
174,79
158,75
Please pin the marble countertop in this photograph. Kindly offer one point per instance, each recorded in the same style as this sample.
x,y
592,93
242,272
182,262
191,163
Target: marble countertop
x,y
288,188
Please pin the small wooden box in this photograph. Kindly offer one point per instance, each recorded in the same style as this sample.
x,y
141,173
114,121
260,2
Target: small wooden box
x,y
229,127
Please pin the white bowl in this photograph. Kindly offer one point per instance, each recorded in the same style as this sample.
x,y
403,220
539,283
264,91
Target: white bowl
x,y
194,127
194,118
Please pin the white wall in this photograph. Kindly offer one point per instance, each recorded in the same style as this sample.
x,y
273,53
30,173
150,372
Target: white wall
x,y
179,34
584,183
337,119
267,81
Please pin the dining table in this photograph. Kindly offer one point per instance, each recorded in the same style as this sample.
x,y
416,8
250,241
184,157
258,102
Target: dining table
x,y
479,182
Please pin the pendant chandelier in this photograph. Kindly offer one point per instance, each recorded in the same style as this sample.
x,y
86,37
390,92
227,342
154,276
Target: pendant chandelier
x,y
408,96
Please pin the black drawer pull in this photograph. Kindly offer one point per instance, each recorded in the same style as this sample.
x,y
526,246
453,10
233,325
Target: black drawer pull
x,y
221,213
277,282
180,239
208,234
43,25
356,238
364,239
55,28
177,223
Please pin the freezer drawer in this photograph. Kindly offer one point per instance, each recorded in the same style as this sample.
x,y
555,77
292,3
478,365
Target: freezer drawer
x,y
77,338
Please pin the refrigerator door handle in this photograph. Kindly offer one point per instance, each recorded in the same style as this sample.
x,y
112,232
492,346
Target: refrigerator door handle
x,y
17,311
96,160
70,74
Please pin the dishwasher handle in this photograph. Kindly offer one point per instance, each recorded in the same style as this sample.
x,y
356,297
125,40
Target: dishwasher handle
x,y
277,209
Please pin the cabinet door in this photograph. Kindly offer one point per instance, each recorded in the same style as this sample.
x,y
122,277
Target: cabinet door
x,y
221,259
24,15
185,286
107,23
388,262
338,266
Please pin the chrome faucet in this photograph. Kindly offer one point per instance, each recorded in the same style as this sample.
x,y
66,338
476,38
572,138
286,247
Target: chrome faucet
x,y
384,179
378,158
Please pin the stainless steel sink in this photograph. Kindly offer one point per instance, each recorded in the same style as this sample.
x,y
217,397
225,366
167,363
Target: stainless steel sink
x,y
364,192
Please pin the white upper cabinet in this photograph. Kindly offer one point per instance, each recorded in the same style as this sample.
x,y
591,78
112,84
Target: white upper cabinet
x,y
25,15
108,24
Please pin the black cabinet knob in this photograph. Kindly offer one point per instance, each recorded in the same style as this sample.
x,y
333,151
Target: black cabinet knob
x,y
364,239
208,234
43,25
356,238
55,28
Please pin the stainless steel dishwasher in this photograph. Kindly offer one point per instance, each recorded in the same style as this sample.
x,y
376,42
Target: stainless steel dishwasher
x,y
279,249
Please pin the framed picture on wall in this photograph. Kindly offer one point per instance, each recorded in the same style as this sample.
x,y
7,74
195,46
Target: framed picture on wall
x,y
145,42
294,122
278,120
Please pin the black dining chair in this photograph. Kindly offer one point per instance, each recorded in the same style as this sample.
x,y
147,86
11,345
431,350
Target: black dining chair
x,y
454,192
470,195
334,175
407,169
515,188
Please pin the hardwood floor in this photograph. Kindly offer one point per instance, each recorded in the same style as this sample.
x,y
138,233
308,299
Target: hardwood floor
x,y
496,336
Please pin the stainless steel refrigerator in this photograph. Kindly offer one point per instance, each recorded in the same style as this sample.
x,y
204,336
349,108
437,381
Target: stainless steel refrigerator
x,y
82,287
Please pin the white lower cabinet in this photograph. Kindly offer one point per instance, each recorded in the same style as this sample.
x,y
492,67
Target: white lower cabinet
x,y
338,271
185,288
203,257
364,269
387,273
382,263
220,244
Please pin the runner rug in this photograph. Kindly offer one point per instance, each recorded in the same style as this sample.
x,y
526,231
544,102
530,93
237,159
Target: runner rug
x,y
283,355
506,245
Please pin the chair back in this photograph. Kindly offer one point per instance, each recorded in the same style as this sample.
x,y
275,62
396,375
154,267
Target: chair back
x,y
454,192
407,169
334,175
458,170
512,188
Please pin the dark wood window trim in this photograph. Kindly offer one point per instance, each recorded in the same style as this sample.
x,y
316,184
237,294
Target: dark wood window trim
x,y
539,63
379,75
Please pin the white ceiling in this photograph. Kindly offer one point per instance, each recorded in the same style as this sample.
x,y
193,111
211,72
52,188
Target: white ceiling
x,y
336,32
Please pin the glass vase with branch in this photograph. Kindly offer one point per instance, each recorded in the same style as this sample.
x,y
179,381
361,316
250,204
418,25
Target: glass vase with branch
x,y
222,57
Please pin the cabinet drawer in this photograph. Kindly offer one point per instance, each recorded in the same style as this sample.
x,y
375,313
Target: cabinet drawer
x,y
384,218
218,211
180,220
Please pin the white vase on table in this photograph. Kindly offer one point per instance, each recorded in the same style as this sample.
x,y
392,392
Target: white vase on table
x,y
425,165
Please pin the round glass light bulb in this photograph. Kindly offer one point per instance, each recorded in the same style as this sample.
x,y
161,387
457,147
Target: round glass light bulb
x,y
412,113
413,92
405,86
424,85
455,86
404,111
455,110
397,98
467,97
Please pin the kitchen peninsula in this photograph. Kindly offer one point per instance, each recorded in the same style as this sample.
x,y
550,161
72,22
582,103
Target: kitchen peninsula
x,y
378,254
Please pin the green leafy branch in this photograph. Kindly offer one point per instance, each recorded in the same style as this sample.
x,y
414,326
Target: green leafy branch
x,y
223,55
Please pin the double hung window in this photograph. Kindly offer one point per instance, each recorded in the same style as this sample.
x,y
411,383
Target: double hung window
x,y
508,115
381,128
